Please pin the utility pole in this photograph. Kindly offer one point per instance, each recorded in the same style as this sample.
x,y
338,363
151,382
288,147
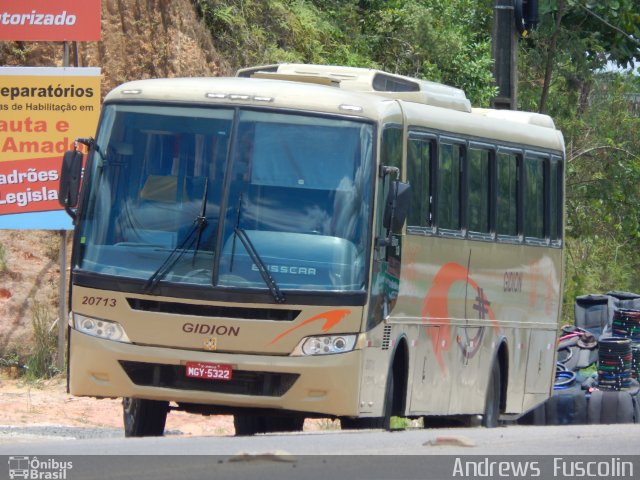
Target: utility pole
x,y
512,19
505,55
64,235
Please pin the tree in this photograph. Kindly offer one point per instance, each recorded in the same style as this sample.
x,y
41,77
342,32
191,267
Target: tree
x,y
562,73
583,35
446,41
603,197
438,40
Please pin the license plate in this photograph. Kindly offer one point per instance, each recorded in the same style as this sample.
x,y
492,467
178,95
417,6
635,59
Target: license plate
x,y
208,371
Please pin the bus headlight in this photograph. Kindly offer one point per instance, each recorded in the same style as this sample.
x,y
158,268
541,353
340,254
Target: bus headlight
x,y
100,328
325,345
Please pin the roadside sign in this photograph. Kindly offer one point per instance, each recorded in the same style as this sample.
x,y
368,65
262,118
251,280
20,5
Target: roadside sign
x,y
50,20
42,112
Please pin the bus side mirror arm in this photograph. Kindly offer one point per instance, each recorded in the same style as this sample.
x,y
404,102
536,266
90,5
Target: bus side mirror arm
x,y
387,170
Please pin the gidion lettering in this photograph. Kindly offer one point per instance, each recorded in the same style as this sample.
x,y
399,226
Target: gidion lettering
x,y
513,282
207,329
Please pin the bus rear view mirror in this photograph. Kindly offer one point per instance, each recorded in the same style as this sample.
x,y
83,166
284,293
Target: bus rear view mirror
x,y
70,178
403,199
397,206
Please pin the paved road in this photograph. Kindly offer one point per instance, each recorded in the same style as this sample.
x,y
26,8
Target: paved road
x,y
426,454
512,440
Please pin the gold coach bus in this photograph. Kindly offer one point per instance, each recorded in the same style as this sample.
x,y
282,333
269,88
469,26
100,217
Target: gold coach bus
x,y
309,241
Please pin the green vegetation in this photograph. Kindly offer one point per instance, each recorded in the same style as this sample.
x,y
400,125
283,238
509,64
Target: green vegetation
x,y
3,259
401,423
52,246
10,359
41,363
440,40
562,72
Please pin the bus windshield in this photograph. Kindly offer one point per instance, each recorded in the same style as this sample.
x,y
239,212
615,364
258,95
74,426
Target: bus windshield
x,y
201,196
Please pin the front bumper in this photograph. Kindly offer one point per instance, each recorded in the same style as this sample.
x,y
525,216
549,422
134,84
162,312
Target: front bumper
x,y
327,384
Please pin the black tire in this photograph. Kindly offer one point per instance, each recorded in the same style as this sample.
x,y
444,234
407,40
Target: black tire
x,y
288,423
609,407
246,425
491,415
144,418
367,423
449,421
371,423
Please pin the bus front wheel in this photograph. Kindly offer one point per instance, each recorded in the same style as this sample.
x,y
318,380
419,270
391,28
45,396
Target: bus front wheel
x,y
252,424
491,416
144,418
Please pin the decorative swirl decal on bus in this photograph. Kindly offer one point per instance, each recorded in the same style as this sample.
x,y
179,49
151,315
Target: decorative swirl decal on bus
x,y
436,307
332,318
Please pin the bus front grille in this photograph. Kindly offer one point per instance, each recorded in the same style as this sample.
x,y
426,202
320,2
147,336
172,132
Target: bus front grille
x,y
263,384
213,311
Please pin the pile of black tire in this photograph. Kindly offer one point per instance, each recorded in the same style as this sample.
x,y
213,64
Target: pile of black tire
x,y
606,332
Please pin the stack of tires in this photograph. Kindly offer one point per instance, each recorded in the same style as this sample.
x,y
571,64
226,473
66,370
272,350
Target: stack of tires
x,y
616,398
612,395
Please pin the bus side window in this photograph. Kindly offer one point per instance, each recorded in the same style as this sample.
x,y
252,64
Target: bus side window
x,y
391,154
534,197
449,187
507,193
555,201
479,197
419,177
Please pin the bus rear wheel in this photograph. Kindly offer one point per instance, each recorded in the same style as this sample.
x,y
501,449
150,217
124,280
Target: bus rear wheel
x,y
144,418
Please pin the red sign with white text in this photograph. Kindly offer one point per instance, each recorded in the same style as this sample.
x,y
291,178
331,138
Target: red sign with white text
x,y
50,20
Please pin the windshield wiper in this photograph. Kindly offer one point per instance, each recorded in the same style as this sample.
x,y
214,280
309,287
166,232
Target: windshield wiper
x,y
201,220
255,257
262,268
178,252
174,256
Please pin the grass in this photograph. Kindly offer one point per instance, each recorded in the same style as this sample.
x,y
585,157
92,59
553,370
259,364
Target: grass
x,y
3,259
41,363
402,423
10,359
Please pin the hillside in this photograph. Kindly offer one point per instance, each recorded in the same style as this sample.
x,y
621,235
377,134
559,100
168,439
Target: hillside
x,y
29,279
141,39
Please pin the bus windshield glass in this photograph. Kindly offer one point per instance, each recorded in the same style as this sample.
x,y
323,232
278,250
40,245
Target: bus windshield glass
x,y
172,189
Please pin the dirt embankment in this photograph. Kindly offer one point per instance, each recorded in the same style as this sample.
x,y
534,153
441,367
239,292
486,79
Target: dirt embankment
x,y
140,39
29,278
